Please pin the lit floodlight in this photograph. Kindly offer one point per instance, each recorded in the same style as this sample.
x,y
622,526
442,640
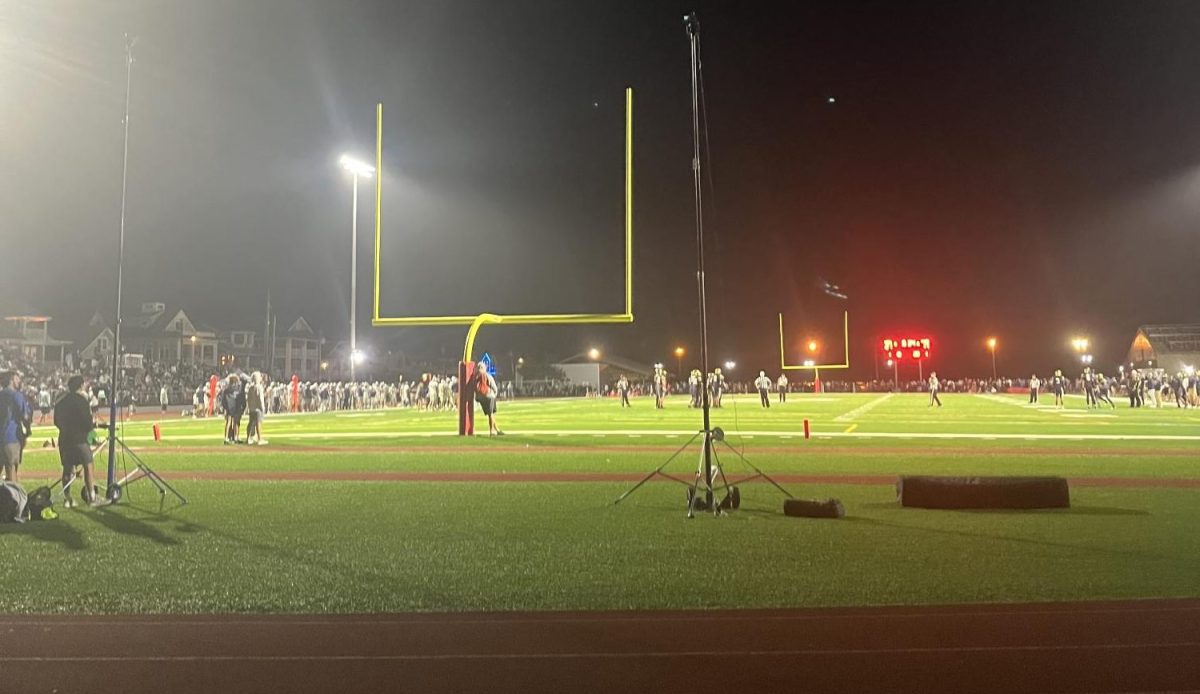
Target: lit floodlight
x,y
356,167
890,363
520,361
324,365
991,343
679,351
729,365
809,362
593,354
357,356
813,346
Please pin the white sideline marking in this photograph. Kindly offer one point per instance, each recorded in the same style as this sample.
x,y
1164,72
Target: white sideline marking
x,y
1015,402
602,654
893,612
688,432
862,409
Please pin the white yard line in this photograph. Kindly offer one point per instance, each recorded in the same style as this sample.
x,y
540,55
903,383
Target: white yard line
x,y
1015,402
679,432
862,409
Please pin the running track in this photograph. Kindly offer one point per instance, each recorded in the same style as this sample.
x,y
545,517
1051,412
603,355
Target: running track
x,y
1074,647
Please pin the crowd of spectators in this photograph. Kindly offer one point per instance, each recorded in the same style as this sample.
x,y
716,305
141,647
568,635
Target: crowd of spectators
x,y
190,387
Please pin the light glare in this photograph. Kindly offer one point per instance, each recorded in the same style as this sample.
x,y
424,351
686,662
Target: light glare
x,y
356,167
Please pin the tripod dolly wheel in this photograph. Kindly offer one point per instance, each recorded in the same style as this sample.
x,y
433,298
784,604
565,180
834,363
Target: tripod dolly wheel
x,y
732,500
114,493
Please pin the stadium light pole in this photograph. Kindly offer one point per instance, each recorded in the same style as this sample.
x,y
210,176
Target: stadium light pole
x,y
357,169
991,345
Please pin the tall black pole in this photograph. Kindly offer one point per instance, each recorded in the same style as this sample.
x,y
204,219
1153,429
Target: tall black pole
x,y
693,29
116,355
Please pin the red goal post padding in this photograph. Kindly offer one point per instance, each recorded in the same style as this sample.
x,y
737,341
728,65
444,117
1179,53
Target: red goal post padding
x,y
466,398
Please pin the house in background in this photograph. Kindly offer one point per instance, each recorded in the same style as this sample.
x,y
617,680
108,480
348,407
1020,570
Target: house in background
x,y
298,352
30,334
1174,348
169,336
243,349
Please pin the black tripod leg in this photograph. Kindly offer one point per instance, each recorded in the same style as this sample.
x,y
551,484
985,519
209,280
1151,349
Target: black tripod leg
x,y
760,473
146,471
657,470
163,483
724,481
710,496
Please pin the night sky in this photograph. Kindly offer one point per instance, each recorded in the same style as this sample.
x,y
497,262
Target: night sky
x,y
1024,170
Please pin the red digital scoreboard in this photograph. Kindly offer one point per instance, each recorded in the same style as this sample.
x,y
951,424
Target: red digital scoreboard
x,y
915,348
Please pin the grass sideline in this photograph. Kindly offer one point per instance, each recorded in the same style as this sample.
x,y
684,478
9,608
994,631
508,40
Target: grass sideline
x,y
274,546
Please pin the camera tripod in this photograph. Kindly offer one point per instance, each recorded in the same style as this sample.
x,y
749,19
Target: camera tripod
x,y
115,492
703,490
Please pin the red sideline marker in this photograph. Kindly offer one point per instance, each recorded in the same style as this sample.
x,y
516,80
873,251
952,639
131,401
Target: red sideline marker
x,y
158,432
807,430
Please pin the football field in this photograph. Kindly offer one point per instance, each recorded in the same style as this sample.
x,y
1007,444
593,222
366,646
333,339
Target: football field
x,y
388,511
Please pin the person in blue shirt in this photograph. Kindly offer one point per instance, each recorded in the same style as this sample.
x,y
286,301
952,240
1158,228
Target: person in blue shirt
x,y
16,419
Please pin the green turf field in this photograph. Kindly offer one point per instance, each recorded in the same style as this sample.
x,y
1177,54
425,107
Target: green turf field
x,y
292,545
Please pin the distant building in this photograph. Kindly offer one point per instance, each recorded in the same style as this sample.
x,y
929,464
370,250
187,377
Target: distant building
x,y
1174,348
243,349
581,369
95,341
298,352
169,336
30,334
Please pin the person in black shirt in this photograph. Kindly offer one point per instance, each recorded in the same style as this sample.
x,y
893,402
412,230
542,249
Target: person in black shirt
x,y
233,401
623,390
1101,387
1059,385
73,417
1089,387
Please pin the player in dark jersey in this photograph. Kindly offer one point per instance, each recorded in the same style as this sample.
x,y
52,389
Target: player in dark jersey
x,y
1089,387
1059,385
1101,388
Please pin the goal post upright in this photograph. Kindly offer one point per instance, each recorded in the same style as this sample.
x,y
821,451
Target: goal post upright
x,y
810,367
475,322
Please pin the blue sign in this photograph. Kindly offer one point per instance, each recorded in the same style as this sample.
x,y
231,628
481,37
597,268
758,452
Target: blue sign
x,y
487,361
